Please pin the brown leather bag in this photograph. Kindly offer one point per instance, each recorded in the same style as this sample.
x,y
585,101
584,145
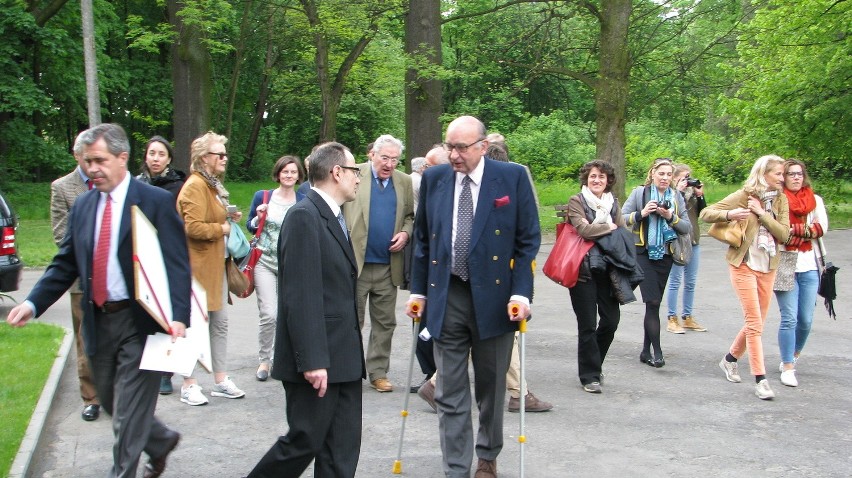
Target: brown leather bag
x,y
729,232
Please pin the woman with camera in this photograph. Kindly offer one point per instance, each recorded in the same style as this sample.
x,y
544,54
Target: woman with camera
x,y
657,214
693,195
753,263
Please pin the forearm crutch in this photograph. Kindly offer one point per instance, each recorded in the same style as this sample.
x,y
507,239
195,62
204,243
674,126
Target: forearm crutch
x,y
522,350
397,465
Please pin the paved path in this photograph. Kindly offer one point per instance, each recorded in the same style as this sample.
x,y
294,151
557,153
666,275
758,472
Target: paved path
x,y
681,420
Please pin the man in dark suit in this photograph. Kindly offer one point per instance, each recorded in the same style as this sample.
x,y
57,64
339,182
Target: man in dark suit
x,y
63,192
98,249
318,353
476,236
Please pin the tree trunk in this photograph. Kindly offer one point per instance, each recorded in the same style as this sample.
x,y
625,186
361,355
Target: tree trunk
x,y
612,88
423,95
262,96
93,96
192,82
238,62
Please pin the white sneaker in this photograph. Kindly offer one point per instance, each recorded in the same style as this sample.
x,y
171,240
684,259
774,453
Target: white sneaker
x,y
788,378
226,388
192,395
731,370
763,391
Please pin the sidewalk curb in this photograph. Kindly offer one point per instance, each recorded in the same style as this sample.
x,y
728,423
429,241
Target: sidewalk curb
x,y
31,437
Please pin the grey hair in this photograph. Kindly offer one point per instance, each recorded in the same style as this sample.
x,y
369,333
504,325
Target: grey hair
x,y
385,140
418,164
112,134
78,144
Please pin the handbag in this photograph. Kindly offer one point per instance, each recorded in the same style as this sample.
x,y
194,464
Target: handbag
x,y
563,263
785,274
238,283
730,232
248,263
238,245
681,249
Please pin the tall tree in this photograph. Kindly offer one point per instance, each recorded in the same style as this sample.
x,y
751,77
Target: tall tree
x,y
423,95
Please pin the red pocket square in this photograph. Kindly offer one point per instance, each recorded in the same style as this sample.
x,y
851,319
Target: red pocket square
x,y
500,202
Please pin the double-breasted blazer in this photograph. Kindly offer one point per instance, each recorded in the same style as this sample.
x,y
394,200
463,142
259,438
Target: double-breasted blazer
x,y
505,238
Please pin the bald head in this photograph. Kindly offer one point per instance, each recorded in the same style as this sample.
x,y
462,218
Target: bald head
x,y
437,155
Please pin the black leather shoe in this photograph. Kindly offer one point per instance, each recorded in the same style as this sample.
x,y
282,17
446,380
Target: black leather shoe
x,y
91,413
156,466
659,362
646,359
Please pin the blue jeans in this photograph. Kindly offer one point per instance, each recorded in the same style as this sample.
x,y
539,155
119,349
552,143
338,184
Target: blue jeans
x,y
689,273
797,314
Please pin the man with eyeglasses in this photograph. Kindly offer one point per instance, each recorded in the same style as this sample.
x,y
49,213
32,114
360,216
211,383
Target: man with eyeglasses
x,y
319,355
476,238
380,220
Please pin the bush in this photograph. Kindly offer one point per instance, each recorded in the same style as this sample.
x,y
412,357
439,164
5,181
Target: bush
x,y
554,146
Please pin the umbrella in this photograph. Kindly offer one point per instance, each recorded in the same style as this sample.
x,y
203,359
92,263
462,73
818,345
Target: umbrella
x,y
827,285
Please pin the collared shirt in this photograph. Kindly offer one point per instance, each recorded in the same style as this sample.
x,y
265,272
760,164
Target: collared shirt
x,y
383,182
116,287
475,185
83,176
335,208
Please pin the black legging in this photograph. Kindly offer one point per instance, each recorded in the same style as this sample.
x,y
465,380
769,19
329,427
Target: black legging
x,y
652,328
653,286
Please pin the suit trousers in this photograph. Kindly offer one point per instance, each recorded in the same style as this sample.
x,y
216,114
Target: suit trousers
x,y
87,385
376,284
589,299
490,357
127,393
327,429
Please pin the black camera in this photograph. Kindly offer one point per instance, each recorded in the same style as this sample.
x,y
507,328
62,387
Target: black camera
x,y
664,204
695,183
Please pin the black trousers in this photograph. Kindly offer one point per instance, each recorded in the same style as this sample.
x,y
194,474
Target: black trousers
x,y
327,429
590,299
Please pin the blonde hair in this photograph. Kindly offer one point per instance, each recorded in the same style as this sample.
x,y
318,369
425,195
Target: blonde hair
x,y
649,178
680,168
756,182
201,147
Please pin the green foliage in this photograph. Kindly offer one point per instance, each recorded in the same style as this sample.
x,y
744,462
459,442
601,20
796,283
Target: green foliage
x,y
554,146
39,344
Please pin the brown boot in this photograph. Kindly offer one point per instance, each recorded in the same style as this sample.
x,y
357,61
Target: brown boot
x,y
690,323
486,469
674,325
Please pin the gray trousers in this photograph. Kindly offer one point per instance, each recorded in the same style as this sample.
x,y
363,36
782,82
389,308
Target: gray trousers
x,y
376,284
490,358
266,289
128,394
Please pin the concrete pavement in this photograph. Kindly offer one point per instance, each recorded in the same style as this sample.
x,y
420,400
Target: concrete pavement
x,y
682,420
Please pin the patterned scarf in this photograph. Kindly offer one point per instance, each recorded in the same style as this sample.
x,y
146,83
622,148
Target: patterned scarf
x,y
659,231
214,183
602,206
765,240
802,203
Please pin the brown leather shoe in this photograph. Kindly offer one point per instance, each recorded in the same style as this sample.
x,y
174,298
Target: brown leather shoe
x,y
382,385
156,466
427,393
531,404
486,469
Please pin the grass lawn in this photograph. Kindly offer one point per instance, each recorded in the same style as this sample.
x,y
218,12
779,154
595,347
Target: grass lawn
x,y
35,239
27,355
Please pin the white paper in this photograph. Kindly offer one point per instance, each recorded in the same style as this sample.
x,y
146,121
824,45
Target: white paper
x,y
198,332
162,355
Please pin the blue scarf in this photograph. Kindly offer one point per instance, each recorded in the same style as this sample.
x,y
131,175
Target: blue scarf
x,y
659,231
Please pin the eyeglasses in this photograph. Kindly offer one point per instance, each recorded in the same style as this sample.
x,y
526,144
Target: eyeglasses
x,y
222,156
388,159
796,174
461,148
355,170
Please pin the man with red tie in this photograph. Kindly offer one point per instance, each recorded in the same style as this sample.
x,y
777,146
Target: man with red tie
x,y
97,249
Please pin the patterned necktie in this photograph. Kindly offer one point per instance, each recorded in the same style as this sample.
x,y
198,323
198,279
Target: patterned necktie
x,y
342,224
99,268
464,222
381,184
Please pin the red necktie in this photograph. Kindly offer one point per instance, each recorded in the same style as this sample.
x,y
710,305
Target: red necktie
x,y
99,269
90,184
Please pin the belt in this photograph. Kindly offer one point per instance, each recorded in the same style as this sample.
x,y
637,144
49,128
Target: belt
x,y
113,307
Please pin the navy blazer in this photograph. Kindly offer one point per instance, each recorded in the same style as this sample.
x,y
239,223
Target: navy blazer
x,y
257,200
317,312
504,241
74,258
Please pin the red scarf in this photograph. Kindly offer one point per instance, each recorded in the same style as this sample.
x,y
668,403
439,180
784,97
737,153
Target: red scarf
x,y
802,202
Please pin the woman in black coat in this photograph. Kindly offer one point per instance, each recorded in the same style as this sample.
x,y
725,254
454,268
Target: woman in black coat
x,y
156,169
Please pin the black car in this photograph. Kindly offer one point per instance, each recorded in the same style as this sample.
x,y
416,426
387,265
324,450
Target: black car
x,y
10,264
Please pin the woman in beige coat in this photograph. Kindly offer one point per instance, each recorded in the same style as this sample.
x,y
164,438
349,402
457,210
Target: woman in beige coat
x,y
203,204
753,264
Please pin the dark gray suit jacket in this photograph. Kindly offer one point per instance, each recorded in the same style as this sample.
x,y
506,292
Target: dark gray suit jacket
x,y
317,312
